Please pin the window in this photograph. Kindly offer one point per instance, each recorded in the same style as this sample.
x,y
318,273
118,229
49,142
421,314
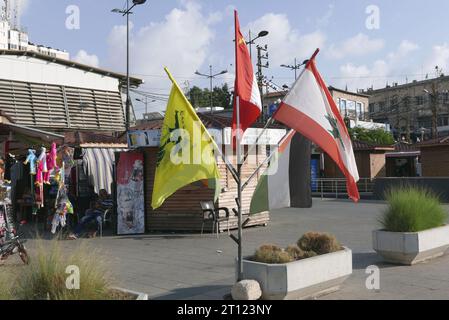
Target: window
x,y
443,121
446,97
343,109
360,110
382,106
371,107
419,100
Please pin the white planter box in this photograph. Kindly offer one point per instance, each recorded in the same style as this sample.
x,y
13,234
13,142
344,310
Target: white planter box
x,y
303,279
411,247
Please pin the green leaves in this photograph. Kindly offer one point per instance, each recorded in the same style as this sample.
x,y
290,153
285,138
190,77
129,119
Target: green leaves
x,y
412,209
374,136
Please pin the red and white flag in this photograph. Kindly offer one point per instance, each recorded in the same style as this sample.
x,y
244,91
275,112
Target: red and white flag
x,y
245,87
310,110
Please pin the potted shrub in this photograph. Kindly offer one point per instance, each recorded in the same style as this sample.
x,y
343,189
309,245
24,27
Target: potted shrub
x,y
414,228
316,265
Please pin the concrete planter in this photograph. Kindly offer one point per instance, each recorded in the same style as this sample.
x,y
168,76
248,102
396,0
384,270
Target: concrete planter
x,y
135,295
303,279
411,247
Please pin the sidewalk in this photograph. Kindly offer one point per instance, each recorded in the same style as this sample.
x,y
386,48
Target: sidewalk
x,y
201,267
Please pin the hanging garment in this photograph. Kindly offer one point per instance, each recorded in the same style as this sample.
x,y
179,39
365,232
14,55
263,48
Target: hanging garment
x,y
51,161
43,159
98,164
10,161
31,160
40,173
60,218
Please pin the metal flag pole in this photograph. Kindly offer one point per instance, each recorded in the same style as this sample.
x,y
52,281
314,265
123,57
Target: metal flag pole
x,y
267,160
239,194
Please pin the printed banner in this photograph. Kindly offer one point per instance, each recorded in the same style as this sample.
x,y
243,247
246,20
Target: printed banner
x,y
130,193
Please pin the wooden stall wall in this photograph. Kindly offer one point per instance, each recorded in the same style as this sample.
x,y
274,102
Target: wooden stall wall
x,y
182,211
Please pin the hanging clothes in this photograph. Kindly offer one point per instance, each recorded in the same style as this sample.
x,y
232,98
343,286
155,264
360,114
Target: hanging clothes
x,y
31,160
51,162
99,166
64,207
9,162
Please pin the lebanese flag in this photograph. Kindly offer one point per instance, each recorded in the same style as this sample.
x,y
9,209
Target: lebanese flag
x,y
310,110
245,87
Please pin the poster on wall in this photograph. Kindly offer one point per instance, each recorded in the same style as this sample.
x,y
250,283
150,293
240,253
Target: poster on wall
x,y
130,193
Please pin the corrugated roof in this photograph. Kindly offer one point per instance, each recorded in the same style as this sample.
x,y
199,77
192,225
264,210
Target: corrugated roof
x,y
94,139
210,121
365,146
434,142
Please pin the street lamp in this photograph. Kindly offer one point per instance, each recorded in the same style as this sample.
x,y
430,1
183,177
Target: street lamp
x,y
126,13
251,41
295,67
145,102
211,76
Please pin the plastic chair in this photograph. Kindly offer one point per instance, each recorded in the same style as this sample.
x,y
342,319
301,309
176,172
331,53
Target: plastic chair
x,y
210,213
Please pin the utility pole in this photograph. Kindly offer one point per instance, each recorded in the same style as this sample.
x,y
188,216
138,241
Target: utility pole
x,y
262,54
295,67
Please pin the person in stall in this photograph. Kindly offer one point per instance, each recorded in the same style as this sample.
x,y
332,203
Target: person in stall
x,y
94,214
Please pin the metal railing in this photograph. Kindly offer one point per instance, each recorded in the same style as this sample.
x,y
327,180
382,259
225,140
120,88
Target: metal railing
x,y
336,187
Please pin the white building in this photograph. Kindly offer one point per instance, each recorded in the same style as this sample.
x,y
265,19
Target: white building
x,y
12,38
52,94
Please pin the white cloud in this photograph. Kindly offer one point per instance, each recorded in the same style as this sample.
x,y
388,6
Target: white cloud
x,y
285,42
404,49
326,18
362,76
83,57
439,57
180,41
359,45
393,68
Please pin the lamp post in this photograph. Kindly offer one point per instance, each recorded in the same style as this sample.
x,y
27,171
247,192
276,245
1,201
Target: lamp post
x,y
126,13
145,102
295,67
251,41
211,76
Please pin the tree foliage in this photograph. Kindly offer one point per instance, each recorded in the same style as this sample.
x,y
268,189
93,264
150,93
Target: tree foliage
x,y
373,136
200,98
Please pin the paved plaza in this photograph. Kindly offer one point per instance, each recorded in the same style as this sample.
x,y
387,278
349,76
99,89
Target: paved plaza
x,y
186,266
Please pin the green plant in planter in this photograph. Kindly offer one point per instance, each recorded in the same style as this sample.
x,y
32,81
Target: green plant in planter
x,y
310,245
412,209
319,243
272,254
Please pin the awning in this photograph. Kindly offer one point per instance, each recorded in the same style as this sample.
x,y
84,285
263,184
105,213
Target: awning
x,y
46,136
98,165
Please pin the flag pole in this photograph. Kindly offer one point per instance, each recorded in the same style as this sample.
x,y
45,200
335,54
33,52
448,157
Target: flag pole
x,y
267,160
216,147
271,119
239,194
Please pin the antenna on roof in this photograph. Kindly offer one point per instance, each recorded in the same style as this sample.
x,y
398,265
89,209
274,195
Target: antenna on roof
x,y
4,16
16,15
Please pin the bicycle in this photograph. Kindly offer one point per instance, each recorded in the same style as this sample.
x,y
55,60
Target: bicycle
x,y
13,246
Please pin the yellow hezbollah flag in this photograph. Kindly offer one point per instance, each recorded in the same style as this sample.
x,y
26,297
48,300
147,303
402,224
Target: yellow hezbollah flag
x,y
186,153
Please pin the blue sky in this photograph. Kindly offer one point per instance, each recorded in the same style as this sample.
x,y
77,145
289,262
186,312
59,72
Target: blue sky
x,y
187,35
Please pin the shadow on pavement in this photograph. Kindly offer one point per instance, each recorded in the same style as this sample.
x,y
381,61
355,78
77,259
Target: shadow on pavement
x,y
362,260
212,292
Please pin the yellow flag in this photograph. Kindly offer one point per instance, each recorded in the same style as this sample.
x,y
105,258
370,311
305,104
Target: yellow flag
x,y
186,152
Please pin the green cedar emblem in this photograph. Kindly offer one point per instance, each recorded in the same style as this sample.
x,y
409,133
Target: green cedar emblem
x,y
335,132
